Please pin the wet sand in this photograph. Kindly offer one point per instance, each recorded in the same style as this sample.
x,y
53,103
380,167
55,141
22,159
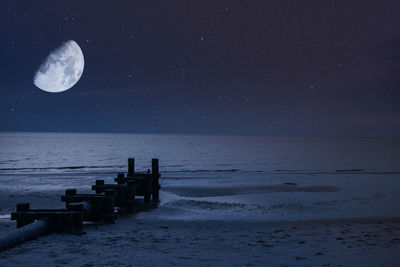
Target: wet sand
x,y
274,220
134,241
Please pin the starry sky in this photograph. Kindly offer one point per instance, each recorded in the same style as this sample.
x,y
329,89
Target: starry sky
x,y
273,68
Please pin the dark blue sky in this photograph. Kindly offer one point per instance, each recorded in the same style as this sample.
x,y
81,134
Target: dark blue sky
x,y
292,68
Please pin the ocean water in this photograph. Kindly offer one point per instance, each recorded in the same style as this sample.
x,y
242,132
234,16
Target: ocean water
x,y
237,177
88,153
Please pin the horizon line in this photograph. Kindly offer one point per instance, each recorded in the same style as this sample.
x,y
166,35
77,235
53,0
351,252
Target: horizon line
x,y
209,134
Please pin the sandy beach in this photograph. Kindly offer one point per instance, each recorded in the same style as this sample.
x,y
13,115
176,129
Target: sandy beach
x,y
199,227
220,204
134,241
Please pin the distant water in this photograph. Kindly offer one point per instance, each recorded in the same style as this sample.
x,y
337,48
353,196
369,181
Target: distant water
x,y
23,153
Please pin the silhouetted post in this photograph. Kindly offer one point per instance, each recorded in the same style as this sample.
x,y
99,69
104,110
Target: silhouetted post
x,y
99,182
156,175
109,204
23,207
131,167
120,175
70,192
23,220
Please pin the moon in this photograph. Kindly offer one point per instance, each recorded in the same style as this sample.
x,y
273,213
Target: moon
x,y
62,69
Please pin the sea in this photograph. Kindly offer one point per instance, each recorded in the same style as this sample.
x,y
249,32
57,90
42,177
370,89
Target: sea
x,y
214,175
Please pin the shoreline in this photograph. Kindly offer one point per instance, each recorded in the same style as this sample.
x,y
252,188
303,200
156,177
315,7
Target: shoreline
x,y
220,219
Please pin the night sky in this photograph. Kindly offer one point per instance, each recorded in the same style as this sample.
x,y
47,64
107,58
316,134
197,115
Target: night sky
x,y
275,68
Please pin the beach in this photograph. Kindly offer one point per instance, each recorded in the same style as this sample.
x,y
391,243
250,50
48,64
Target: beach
x,y
134,241
261,209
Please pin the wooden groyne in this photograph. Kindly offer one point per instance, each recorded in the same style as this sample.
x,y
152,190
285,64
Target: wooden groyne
x,y
133,192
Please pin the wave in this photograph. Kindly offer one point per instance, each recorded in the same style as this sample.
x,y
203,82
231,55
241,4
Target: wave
x,y
172,169
336,171
62,168
209,170
280,171
202,191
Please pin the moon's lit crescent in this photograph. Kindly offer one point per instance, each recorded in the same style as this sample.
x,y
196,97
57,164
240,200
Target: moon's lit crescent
x,y
62,69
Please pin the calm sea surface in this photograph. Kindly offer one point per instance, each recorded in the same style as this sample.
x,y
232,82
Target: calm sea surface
x,y
207,177
96,153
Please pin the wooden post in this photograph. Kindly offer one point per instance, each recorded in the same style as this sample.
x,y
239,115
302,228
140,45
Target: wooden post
x,y
70,192
131,167
156,175
154,166
23,207
130,201
109,204
120,175
99,182
23,220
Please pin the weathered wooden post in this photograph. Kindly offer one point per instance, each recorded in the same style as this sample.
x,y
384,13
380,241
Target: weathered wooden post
x,y
156,175
23,220
58,220
95,207
130,202
109,204
124,193
70,192
99,182
119,178
131,167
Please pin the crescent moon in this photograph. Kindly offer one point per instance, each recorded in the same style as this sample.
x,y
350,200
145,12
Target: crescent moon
x,y
62,69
